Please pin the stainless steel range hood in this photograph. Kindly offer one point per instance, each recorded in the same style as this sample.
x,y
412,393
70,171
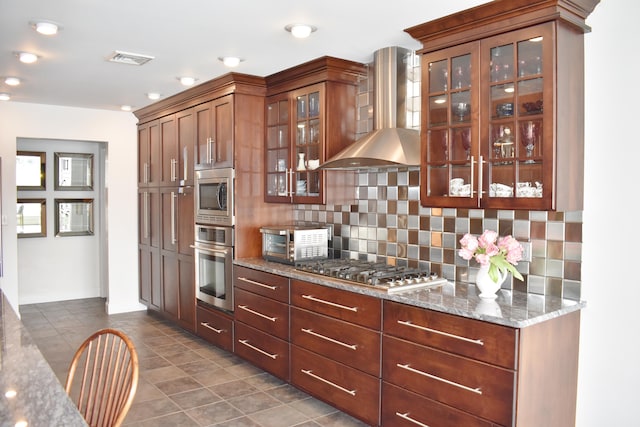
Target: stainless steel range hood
x,y
390,144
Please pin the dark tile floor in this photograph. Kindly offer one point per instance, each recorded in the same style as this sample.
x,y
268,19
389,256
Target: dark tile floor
x,y
184,381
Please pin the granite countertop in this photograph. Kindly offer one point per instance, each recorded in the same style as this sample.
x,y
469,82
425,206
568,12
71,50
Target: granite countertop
x,y
40,399
511,308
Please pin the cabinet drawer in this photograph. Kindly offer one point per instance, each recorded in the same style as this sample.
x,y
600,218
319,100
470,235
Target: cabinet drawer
x,y
402,408
346,388
216,328
261,283
262,313
354,308
350,344
481,389
263,350
479,340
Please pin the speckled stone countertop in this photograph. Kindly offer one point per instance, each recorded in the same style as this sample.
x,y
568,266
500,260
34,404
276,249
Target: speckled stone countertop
x,y
40,399
511,308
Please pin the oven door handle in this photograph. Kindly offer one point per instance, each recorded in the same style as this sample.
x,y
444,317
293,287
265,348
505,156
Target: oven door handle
x,y
210,249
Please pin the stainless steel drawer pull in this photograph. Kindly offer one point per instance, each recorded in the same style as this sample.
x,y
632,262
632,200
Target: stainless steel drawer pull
x,y
208,326
446,334
324,337
312,375
408,418
253,282
333,304
477,390
264,316
246,342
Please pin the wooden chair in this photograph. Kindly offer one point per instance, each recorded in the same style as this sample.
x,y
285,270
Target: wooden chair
x,y
108,364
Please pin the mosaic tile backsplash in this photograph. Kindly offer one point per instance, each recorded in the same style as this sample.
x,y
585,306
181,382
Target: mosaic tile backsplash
x,y
387,223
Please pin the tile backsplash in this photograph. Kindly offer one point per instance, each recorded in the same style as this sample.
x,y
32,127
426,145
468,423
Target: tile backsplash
x,y
387,223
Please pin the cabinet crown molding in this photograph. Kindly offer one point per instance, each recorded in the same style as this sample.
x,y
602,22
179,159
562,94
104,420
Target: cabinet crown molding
x,y
497,17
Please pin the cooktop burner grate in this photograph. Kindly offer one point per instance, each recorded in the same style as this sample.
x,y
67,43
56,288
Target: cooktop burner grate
x,y
374,274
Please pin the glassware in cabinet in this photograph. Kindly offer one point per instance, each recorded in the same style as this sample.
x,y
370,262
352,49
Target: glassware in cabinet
x,y
278,157
517,169
449,153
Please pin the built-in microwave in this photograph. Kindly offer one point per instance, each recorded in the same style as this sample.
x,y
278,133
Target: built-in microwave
x,y
214,196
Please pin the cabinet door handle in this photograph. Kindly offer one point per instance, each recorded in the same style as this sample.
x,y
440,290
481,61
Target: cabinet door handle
x,y
173,218
319,378
264,316
480,177
411,420
208,326
473,179
185,162
253,282
174,164
289,180
214,151
145,213
435,331
476,390
326,338
246,342
332,304
145,172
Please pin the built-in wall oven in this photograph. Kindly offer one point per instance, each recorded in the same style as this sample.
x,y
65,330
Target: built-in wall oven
x,y
213,251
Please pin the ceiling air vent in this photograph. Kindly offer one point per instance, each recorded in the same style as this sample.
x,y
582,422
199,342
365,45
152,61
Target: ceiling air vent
x,y
129,58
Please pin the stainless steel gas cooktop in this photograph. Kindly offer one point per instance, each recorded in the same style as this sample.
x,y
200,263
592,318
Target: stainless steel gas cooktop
x,y
374,274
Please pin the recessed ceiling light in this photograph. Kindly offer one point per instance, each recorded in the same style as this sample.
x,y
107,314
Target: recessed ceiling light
x,y
125,107
153,95
12,81
231,61
5,97
187,81
27,57
46,28
300,31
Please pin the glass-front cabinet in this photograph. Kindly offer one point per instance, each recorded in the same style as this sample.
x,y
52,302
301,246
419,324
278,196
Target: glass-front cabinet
x,y
486,141
295,145
503,107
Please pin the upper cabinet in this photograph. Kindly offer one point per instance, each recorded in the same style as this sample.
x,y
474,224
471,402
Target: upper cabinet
x,y
310,116
214,133
503,106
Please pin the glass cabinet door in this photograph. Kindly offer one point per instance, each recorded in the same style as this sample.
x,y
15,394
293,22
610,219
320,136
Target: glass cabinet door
x,y
278,153
450,153
517,173
307,145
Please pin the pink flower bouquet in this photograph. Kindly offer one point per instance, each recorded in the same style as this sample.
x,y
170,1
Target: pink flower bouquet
x,y
501,254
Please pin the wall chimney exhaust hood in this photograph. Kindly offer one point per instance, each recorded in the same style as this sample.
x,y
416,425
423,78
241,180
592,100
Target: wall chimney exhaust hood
x,y
390,144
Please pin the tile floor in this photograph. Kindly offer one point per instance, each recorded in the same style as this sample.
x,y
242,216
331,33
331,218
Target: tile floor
x,y
184,381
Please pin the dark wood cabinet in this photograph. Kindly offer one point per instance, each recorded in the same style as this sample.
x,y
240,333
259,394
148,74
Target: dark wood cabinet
x,y
335,351
215,326
475,369
178,285
261,302
149,239
310,116
503,106
215,133
149,154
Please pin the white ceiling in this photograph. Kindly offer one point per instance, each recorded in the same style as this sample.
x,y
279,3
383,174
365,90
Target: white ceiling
x,y
186,37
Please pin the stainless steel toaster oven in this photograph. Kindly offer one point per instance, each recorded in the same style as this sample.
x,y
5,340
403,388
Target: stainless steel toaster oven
x,y
290,244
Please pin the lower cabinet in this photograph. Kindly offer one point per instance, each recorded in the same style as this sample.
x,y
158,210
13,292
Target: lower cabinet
x,y
215,327
403,408
335,351
347,388
392,364
261,303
